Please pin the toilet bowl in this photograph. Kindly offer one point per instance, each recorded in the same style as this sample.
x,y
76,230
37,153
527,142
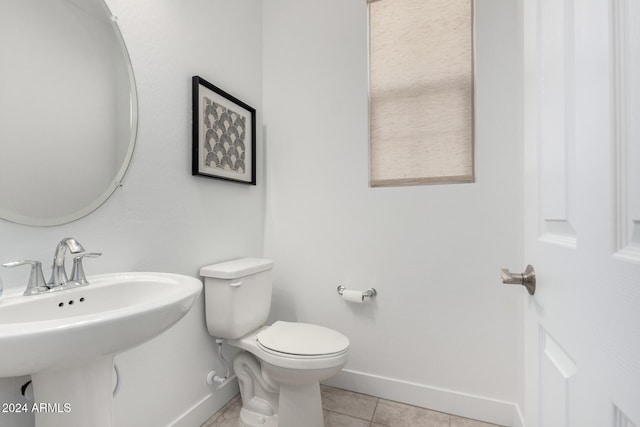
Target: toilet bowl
x,y
297,362
296,356
281,366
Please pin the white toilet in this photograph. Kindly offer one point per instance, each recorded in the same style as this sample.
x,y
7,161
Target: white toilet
x,y
280,370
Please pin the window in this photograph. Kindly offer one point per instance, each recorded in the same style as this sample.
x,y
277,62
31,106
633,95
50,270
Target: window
x,y
420,91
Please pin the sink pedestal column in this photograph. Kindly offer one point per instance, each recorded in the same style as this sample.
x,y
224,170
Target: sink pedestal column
x,y
78,396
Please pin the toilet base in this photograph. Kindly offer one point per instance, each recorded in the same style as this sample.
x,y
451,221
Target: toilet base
x,y
300,405
252,419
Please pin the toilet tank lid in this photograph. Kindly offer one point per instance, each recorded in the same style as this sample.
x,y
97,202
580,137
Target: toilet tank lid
x,y
236,268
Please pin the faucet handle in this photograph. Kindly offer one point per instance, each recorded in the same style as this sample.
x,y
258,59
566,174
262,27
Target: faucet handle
x,y
77,272
36,282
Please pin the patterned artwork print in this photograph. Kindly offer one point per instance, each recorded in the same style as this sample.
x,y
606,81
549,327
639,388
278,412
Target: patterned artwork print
x,y
224,141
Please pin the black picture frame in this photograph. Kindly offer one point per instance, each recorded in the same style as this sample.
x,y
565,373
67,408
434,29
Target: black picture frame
x,y
224,135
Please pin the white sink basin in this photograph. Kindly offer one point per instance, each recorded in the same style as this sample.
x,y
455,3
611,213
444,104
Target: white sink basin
x,y
66,340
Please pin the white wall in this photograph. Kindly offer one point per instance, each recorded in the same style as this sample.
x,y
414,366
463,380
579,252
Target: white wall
x,y
443,332
163,219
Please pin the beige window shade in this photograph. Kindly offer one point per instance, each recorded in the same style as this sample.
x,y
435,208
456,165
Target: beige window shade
x,y
421,91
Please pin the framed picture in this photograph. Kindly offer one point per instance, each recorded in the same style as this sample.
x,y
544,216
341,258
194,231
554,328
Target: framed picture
x,y
224,135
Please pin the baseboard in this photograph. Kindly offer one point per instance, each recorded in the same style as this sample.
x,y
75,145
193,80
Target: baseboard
x,y
209,405
518,418
452,402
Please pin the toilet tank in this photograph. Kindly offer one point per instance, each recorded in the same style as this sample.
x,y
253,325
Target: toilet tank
x,y
237,296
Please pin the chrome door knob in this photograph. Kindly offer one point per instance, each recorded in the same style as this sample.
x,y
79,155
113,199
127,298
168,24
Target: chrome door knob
x,y
526,279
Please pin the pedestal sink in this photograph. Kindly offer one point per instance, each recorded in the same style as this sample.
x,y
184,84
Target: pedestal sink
x,y
66,340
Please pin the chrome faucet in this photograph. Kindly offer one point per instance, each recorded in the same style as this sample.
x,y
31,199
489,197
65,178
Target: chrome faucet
x,y
59,280
58,273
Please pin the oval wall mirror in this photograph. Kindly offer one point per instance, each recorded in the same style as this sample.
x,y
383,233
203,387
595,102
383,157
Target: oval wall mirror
x,y
68,109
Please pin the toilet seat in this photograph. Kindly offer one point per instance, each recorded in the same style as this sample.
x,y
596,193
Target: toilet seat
x,y
301,340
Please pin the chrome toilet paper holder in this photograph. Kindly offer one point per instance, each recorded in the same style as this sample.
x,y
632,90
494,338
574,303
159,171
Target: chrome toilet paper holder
x,y
369,293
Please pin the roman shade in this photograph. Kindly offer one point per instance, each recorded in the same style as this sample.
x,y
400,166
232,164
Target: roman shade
x,y
421,92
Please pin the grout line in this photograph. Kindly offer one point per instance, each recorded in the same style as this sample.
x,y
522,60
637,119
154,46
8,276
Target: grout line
x,y
373,414
347,416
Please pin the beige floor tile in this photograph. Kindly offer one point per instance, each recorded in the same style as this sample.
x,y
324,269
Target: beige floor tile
x,y
334,419
344,408
395,414
466,422
348,403
228,416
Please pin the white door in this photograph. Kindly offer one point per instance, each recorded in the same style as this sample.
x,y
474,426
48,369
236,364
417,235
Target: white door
x,y
582,221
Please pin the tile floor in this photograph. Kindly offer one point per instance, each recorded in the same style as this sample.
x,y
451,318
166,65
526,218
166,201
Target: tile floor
x,y
344,408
